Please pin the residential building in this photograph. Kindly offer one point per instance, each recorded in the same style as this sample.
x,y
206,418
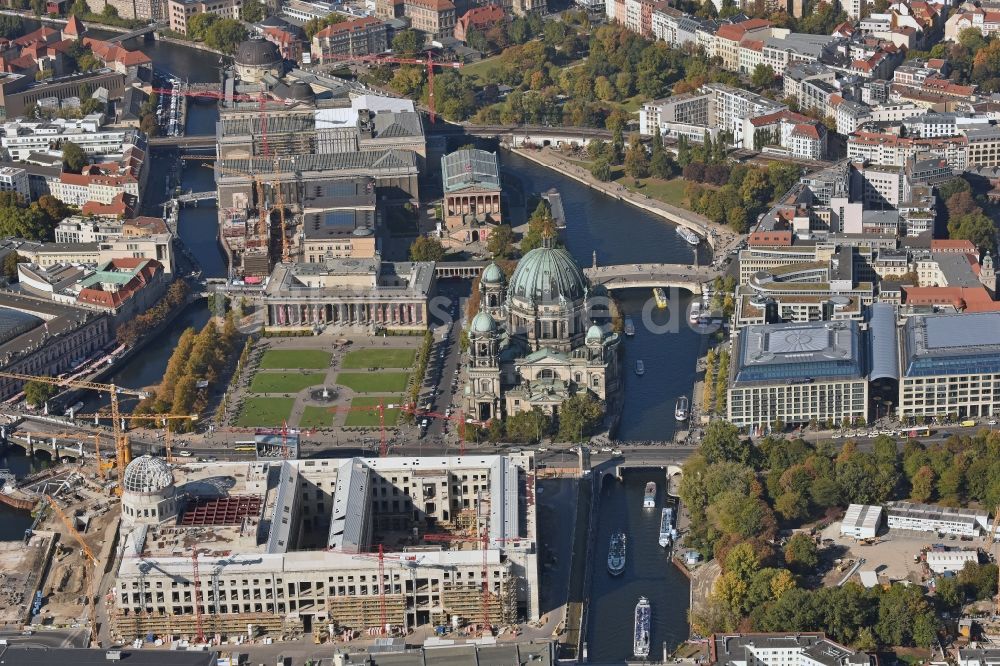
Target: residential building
x,y
179,12
77,229
436,18
479,18
726,45
797,373
23,137
364,36
14,179
123,287
983,146
984,19
934,518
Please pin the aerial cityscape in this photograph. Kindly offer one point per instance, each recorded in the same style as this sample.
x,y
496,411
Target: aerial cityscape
x,y
499,332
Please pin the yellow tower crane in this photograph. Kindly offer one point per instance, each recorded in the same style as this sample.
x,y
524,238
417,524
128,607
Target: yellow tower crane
x,y
123,450
162,418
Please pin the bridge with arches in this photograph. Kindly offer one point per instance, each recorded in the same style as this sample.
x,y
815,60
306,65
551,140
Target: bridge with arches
x,y
638,276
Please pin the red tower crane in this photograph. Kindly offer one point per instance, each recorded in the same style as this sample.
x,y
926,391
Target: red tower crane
x,y
484,539
427,62
382,615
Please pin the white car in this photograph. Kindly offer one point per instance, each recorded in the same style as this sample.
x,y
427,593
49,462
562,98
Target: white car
x,y
992,422
872,435
836,435
605,449
616,452
184,454
542,449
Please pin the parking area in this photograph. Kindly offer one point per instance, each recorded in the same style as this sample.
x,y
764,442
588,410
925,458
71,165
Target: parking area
x,y
892,556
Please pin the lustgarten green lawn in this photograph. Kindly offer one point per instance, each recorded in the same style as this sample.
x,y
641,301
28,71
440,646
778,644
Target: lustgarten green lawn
x,y
285,382
264,412
369,418
277,359
316,417
373,382
379,358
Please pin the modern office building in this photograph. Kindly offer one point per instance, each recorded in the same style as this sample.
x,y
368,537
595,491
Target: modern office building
x,y
933,518
287,546
798,372
950,365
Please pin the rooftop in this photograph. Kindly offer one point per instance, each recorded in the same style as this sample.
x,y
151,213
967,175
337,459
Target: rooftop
x,y
799,352
952,344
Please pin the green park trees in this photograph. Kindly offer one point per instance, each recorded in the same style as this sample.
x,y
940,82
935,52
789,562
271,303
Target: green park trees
x,y
37,394
425,248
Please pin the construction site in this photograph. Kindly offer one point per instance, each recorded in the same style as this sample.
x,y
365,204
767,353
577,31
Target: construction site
x,y
332,548
282,167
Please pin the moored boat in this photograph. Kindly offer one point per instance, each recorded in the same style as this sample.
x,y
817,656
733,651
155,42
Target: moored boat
x,y
629,326
643,616
696,310
660,297
691,237
640,368
681,408
649,496
616,554
666,527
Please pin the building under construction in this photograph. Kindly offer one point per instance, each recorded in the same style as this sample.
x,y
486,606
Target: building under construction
x,y
357,543
273,159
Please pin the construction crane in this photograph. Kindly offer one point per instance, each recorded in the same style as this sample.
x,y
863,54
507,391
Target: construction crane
x,y
484,540
162,418
409,561
89,554
123,450
427,62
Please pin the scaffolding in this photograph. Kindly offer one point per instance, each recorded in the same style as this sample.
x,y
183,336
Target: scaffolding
x,y
365,611
124,623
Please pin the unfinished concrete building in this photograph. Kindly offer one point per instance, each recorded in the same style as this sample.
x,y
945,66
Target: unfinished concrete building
x,y
293,546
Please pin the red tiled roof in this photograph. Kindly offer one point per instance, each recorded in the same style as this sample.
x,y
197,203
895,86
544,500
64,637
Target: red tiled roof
x,y
953,245
967,299
74,26
482,16
113,299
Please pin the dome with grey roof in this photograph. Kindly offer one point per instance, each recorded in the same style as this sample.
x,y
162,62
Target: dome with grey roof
x,y
492,274
594,333
547,274
257,53
483,323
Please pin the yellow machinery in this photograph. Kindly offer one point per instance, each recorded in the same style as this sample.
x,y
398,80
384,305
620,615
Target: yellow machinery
x,y
162,418
123,451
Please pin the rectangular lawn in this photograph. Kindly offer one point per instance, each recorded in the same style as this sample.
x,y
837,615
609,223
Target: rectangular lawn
x,y
374,382
285,382
362,418
316,417
277,359
379,358
264,412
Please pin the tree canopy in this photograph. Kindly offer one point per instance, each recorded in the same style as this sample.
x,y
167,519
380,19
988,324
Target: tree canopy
x,y
425,248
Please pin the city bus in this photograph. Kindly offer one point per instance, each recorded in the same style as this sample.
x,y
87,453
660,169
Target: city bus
x,y
918,431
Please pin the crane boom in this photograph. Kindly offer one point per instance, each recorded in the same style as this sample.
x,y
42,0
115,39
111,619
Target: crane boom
x,y
73,532
123,450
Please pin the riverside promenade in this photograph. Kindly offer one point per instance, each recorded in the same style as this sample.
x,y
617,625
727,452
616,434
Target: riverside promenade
x,y
719,237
